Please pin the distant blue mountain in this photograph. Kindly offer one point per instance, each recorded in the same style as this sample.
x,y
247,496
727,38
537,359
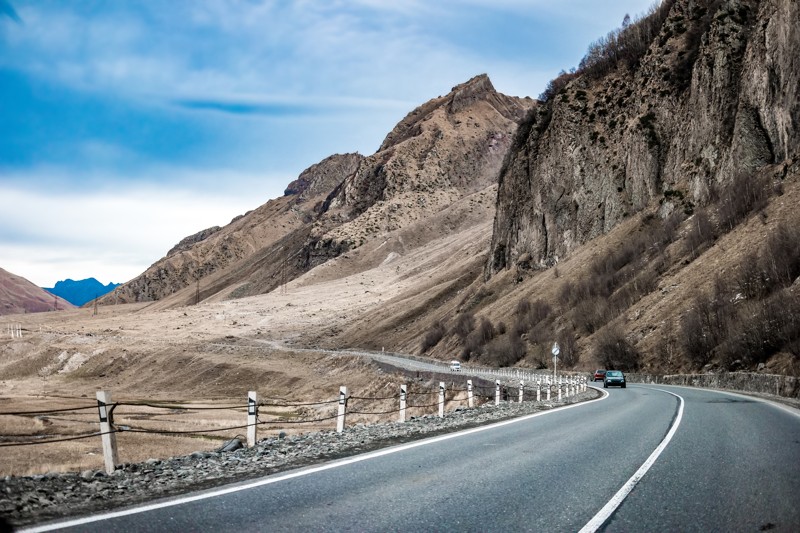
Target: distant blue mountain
x,y
80,292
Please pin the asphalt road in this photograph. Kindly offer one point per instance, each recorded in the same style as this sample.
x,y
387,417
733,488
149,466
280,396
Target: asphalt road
x,y
727,463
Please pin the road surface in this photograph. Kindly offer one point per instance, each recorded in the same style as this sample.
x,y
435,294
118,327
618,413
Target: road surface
x,y
645,458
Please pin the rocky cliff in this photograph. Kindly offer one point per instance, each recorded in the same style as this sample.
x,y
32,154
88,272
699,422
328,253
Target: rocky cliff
x,y
713,95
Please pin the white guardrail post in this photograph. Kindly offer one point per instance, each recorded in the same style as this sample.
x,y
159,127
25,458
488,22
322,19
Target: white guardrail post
x,y
342,409
252,417
521,389
548,388
539,390
403,394
497,392
441,399
470,398
559,392
107,431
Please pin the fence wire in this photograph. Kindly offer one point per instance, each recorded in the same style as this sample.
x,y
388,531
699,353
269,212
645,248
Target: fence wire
x,y
479,391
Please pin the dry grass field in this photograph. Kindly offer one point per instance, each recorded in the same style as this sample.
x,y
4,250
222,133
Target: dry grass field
x,y
208,355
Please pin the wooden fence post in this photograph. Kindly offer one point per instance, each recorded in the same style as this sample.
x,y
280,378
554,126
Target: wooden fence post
x,y
107,430
403,393
252,417
342,409
470,399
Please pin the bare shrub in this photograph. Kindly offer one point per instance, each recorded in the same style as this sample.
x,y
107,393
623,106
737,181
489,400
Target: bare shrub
x,y
625,45
591,314
745,194
568,345
667,232
557,85
523,307
504,351
707,324
751,279
780,257
433,336
473,346
613,350
695,342
667,348
475,341
486,330
501,328
465,323
534,313
540,334
762,329
566,294
700,234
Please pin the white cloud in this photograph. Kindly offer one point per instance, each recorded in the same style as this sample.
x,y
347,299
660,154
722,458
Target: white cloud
x,y
112,235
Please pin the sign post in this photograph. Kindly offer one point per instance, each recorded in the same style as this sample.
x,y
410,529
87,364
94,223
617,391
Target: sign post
x,y
555,350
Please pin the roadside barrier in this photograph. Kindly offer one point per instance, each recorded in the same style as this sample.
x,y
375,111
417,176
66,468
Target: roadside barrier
x,y
345,404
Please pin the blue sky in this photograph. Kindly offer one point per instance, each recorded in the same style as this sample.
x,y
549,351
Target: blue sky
x,y
129,125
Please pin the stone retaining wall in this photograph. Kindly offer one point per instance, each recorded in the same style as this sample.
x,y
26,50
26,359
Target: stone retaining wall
x,y
777,385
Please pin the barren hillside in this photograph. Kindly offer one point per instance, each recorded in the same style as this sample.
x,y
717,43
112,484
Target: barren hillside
x,y
18,295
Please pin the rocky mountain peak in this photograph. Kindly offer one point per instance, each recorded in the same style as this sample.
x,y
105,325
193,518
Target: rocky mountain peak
x,y
323,177
461,100
462,96
447,148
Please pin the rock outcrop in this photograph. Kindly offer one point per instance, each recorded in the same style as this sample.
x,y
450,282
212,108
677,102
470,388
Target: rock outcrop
x,y
447,148
214,250
714,95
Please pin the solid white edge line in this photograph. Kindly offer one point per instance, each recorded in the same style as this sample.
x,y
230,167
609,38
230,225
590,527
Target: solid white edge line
x,y
299,473
608,509
786,408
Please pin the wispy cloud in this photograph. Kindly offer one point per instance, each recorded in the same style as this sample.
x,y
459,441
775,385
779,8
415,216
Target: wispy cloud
x,y
120,230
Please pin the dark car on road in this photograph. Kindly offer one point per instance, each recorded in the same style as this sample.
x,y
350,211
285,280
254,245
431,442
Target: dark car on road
x,y
614,377
599,374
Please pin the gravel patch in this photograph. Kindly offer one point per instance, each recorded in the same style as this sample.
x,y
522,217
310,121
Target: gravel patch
x,y
26,500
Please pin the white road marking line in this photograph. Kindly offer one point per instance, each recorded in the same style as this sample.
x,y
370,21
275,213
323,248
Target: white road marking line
x,y
786,408
299,473
608,509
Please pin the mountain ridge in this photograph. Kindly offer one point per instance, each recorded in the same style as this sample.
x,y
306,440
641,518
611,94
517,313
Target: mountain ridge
x,y
18,295
81,291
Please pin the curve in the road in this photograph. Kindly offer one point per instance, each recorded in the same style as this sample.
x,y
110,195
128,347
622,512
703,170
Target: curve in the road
x,y
608,509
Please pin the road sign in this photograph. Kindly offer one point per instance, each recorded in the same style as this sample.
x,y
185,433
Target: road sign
x,y
555,350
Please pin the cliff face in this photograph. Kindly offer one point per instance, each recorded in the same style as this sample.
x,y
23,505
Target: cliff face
x,y
715,94
446,149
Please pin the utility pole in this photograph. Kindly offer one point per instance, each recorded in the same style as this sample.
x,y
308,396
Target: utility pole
x,y
95,305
